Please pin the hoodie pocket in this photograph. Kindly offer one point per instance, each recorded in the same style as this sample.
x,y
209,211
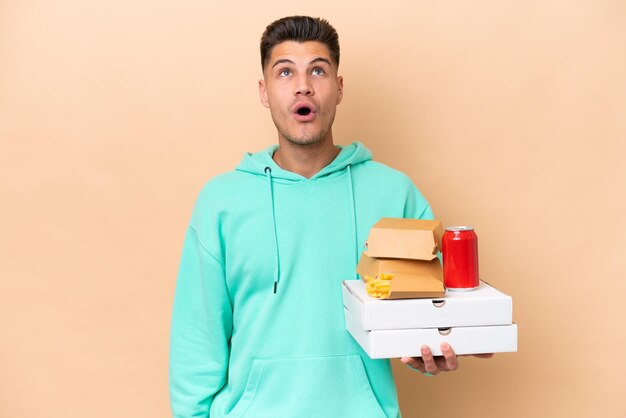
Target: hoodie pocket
x,y
308,387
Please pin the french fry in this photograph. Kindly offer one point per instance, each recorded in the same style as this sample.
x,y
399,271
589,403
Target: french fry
x,y
379,287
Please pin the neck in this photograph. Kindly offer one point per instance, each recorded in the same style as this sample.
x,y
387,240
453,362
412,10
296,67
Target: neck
x,y
305,160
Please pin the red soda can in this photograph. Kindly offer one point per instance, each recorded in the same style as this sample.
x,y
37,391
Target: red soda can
x,y
460,258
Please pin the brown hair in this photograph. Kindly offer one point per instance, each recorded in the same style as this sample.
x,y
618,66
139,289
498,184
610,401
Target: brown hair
x,y
299,29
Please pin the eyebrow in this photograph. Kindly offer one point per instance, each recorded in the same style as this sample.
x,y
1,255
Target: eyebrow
x,y
288,61
282,61
321,59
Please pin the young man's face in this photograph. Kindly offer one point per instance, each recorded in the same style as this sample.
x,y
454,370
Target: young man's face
x,y
301,88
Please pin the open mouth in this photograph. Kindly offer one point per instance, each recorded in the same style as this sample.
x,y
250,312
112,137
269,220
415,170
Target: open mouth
x,y
304,111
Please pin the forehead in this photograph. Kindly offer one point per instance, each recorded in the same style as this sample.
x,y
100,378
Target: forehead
x,y
299,51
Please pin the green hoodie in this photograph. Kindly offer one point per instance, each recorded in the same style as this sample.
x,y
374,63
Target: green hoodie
x,y
258,326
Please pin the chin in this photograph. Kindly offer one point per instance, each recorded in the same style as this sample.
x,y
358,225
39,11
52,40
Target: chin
x,y
304,141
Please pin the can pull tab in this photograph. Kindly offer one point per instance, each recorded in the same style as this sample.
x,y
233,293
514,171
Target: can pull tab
x,y
444,331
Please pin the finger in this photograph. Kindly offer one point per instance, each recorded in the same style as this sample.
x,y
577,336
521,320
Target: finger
x,y
452,362
414,363
485,355
429,362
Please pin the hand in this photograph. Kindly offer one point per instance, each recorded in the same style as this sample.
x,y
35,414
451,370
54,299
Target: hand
x,y
435,365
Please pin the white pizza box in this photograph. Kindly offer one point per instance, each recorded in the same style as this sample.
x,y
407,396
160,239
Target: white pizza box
x,y
483,306
395,343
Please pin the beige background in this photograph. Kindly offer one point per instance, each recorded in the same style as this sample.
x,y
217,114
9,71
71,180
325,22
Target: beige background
x,y
509,116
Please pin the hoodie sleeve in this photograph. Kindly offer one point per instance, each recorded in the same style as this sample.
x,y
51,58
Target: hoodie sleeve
x,y
201,330
416,205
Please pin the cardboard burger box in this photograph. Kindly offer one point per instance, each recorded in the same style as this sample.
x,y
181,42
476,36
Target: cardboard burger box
x,y
406,249
415,239
411,278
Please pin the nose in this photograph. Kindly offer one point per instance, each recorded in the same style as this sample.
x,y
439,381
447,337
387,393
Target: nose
x,y
304,87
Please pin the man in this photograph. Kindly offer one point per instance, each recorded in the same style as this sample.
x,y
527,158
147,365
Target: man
x,y
258,327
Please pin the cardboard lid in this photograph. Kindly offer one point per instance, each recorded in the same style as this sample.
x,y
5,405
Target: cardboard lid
x,y
369,266
405,238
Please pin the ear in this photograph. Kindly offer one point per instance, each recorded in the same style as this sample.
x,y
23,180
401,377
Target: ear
x,y
340,88
263,94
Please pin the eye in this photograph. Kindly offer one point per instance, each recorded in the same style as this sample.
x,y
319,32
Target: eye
x,y
318,71
284,72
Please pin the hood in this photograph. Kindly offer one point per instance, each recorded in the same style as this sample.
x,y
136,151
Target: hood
x,y
256,163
